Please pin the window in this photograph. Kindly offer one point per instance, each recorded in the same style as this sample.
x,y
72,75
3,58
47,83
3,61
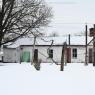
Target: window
x,y
74,54
50,53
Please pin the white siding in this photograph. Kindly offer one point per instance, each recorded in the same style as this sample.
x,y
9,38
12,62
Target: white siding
x,y
42,53
13,55
80,55
56,54
10,55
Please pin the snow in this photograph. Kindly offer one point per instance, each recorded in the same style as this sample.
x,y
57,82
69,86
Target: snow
x,y
23,79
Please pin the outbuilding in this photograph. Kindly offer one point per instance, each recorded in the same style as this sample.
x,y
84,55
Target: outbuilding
x,y
48,49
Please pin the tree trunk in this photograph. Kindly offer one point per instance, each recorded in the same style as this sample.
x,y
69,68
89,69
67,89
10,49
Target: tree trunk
x,y
62,60
1,33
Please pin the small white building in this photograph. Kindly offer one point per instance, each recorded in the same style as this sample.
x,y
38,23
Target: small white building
x,y
48,48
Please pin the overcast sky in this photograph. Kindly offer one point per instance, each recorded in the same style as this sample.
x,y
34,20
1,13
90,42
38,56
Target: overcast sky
x,y
70,16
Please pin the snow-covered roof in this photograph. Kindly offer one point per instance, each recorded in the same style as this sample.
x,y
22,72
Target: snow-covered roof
x,y
74,40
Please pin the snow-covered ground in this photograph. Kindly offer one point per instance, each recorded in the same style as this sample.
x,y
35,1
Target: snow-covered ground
x,y
23,79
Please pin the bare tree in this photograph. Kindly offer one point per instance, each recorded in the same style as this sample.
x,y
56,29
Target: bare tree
x,y
22,17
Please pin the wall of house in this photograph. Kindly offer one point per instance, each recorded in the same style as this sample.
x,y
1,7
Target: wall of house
x,y
9,55
13,55
57,51
1,55
80,54
42,53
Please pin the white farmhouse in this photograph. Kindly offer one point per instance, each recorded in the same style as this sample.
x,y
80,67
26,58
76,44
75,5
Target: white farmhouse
x,y
48,48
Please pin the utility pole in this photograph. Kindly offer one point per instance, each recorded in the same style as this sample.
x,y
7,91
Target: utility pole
x,y
69,39
86,45
0,25
65,53
92,34
62,56
94,46
62,59
33,49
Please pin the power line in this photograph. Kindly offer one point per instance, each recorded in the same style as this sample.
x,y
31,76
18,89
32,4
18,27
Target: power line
x,y
73,23
70,3
46,40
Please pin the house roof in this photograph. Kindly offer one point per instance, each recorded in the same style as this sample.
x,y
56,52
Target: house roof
x,y
74,40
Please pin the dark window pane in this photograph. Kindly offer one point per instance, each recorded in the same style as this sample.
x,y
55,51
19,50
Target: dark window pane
x,y
74,53
50,53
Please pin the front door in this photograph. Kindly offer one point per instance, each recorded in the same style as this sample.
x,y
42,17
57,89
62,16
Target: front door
x,y
90,55
25,56
68,55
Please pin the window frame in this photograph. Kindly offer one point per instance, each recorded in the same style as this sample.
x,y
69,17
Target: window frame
x,y
50,53
74,53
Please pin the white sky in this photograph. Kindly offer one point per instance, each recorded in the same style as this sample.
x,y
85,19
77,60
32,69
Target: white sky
x,y
70,16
